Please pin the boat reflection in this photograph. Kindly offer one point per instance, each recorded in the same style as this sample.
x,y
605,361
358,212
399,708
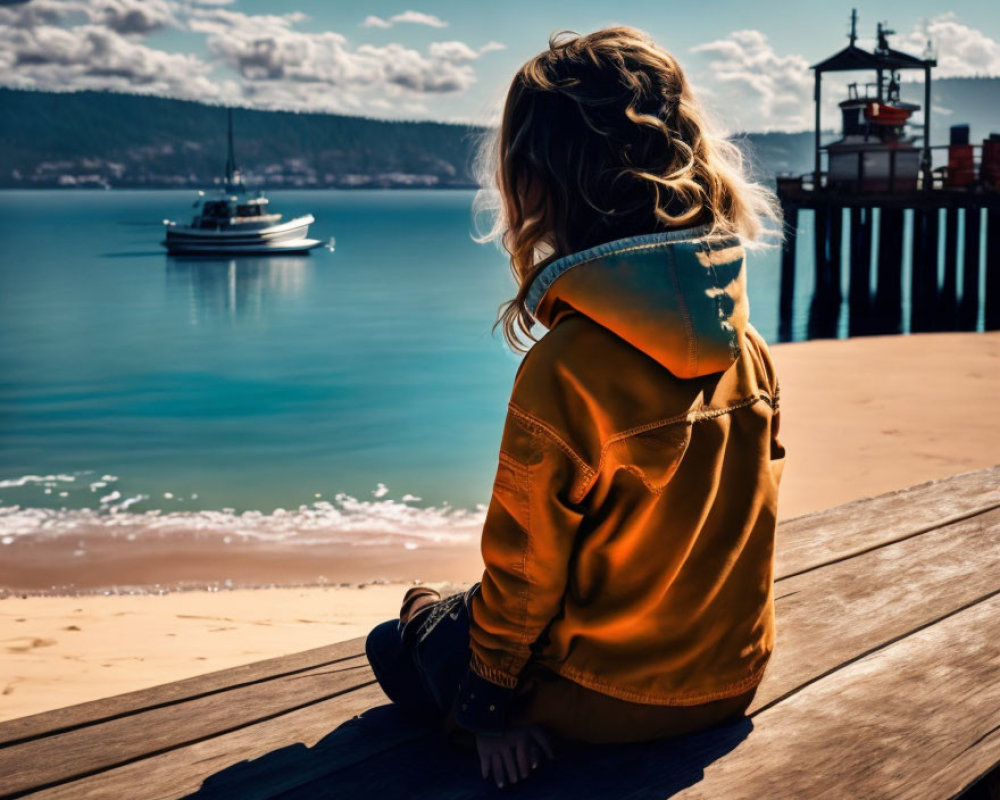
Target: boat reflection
x,y
237,287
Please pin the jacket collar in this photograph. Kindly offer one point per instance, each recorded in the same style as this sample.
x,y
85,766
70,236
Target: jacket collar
x,y
544,279
676,295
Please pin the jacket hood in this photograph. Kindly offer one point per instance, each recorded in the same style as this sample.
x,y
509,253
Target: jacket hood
x,y
675,295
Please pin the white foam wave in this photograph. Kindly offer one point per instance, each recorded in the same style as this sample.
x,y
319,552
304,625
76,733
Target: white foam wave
x,y
345,520
24,480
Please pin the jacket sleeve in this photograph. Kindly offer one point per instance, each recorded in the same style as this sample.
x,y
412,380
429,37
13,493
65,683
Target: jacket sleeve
x,y
527,541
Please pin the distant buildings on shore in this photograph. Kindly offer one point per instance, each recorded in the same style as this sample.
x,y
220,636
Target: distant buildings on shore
x,y
96,173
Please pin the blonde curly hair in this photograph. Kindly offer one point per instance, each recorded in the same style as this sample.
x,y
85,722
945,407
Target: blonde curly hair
x,y
601,138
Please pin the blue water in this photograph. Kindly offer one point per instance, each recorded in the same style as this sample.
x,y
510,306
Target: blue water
x,y
346,386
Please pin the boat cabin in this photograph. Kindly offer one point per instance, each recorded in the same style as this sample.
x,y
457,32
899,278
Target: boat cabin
x,y
231,211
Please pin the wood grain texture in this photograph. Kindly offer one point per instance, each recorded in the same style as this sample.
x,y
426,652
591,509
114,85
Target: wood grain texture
x,y
811,540
262,760
84,750
917,719
829,617
132,702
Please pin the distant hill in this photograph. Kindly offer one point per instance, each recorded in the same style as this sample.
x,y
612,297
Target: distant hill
x,y
954,101
124,140
51,139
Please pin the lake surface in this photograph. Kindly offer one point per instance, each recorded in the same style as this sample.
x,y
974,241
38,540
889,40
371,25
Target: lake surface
x,y
357,392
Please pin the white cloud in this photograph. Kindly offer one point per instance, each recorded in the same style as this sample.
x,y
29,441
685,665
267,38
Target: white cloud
x,y
417,18
133,16
266,48
458,52
139,17
961,51
371,21
750,86
94,57
412,17
40,12
262,60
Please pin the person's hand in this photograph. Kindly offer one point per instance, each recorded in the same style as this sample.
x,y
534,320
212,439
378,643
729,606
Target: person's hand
x,y
514,754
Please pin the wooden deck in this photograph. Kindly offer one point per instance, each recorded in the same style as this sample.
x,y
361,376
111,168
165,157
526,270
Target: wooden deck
x,y
885,683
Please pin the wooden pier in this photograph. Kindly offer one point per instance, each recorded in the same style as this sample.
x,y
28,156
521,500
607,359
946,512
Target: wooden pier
x,y
947,228
888,189
884,683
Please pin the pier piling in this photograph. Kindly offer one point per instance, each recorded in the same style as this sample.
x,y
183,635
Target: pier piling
x,y
824,310
969,305
889,287
947,316
924,271
859,275
992,290
785,301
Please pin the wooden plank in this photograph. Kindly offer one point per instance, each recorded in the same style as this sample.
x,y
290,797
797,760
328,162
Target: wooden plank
x,y
812,540
825,619
258,761
133,702
917,719
93,748
852,607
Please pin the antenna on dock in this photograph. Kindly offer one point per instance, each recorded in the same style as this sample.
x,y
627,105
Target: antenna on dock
x,y
883,38
930,51
854,26
234,181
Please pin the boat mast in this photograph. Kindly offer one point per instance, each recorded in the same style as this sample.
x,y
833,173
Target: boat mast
x,y
234,182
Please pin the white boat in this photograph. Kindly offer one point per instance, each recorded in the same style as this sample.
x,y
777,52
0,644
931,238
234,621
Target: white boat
x,y
235,221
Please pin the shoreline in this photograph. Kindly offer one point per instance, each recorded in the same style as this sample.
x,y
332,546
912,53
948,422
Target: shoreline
x,y
195,187
112,566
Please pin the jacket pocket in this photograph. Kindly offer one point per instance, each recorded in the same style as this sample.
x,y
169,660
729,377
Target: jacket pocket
x,y
653,455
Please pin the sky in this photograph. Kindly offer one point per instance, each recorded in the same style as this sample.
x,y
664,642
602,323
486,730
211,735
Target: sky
x,y
452,61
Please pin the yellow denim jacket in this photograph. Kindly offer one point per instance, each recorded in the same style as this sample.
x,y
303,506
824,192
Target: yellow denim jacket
x,y
629,539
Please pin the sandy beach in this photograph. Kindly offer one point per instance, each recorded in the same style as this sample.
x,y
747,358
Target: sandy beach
x,y
860,417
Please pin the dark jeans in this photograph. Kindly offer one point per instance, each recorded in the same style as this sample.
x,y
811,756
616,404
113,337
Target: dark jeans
x,y
419,664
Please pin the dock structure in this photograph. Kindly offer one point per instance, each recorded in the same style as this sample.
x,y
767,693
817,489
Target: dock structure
x,y
884,683
881,191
